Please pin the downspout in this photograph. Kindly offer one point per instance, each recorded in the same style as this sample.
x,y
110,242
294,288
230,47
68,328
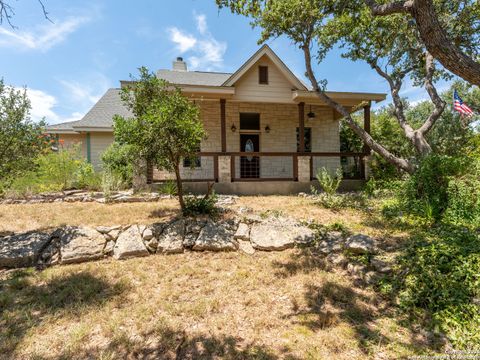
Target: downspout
x,y
89,152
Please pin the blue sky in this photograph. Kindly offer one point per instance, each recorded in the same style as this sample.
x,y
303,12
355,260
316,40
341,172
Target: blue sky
x,y
91,45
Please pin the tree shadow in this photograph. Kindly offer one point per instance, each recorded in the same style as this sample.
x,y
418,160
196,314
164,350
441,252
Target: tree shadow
x,y
25,305
163,213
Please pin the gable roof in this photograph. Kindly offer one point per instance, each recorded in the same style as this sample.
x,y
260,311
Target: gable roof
x,y
65,127
202,78
101,114
265,50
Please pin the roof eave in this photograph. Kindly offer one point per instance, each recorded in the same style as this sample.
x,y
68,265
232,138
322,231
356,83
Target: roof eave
x,y
298,95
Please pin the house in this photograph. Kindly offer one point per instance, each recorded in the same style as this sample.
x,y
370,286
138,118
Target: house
x,y
267,132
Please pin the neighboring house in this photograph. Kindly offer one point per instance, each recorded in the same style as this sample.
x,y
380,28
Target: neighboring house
x,y
267,132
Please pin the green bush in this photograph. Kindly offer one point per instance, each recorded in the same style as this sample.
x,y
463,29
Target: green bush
x,y
445,188
55,171
118,162
169,188
201,205
438,282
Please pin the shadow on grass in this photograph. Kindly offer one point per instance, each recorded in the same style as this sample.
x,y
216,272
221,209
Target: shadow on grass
x,y
164,213
25,305
169,344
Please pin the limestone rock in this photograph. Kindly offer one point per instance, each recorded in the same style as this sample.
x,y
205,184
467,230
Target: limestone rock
x,y
108,250
22,249
243,232
380,266
129,244
216,237
79,244
171,240
359,244
271,237
112,235
107,229
333,242
246,247
147,234
192,231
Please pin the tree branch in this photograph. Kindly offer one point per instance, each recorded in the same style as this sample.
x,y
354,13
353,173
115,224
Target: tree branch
x,y
7,12
438,103
390,8
368,140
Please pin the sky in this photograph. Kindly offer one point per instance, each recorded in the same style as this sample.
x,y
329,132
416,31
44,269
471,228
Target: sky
x,y
90,45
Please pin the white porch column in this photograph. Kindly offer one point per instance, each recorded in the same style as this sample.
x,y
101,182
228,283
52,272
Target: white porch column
x,y
304,169
224,175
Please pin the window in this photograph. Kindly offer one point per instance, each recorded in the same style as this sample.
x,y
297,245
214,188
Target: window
x,y
263,75
249,121
197,161
307,141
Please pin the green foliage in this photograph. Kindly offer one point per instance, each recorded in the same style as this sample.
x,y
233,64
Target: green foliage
x,y
438,282
328,183
118,162
21,139
166,127
169,188
445,188
195,205
56,171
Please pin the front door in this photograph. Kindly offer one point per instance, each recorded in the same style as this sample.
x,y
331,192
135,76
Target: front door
x,y
249,165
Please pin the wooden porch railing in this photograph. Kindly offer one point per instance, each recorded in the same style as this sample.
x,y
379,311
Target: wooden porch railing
x,y
293,155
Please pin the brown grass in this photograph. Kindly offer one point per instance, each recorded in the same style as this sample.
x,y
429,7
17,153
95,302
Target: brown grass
x,y
287,305
197,305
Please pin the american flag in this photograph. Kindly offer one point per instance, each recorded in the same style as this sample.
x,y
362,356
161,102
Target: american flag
x,y
459,105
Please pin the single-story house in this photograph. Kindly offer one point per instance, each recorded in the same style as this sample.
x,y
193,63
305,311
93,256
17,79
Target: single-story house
x,y
267,131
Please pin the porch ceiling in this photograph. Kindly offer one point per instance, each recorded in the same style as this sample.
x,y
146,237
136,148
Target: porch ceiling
x,y
350,99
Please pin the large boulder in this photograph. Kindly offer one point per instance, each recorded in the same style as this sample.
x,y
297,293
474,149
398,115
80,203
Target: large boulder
x,y
192,231
216,237
79,244
129,244
22,250
360,244
273,236
171,239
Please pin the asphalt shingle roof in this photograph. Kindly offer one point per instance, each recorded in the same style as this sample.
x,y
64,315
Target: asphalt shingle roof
x,y
101,114
193,77
63,126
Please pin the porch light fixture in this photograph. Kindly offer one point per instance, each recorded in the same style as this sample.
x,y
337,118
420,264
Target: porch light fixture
x,y
311,114
267,129
233,128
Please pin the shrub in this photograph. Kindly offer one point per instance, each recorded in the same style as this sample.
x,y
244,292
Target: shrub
x,y
438,282
55,171
201,205
445,188
328,183
118,162
169,188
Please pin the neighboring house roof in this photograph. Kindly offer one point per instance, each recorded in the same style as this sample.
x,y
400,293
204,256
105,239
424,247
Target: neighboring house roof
x,y
265,50
100,116
62,128
202,78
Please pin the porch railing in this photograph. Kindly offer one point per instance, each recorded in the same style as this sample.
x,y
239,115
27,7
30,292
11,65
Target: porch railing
x,y
266,166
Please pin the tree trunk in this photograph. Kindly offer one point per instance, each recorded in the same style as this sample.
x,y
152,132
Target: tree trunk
x,y
433,36
179,188
140,169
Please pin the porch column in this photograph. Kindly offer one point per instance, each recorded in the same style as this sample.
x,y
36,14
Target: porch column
x,y
223,127
301,126
224,169
304,168
366,148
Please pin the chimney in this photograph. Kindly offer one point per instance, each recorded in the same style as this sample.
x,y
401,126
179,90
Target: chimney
x,y
179,64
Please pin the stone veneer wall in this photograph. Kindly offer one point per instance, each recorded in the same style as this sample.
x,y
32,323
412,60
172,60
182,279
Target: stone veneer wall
x,y
282,120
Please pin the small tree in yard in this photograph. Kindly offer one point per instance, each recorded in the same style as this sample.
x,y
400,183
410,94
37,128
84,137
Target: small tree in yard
x,y
165,128
21,139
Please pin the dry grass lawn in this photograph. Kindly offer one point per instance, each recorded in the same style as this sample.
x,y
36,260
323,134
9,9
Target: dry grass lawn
x,y
282,305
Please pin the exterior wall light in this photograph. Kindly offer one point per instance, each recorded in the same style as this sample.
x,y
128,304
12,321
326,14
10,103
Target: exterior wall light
x,y
267,129
233,128
311,114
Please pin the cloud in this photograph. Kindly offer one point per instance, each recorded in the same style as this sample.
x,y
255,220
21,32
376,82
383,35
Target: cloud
x,y
183,40
205,51
201,23
42,106
43,38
